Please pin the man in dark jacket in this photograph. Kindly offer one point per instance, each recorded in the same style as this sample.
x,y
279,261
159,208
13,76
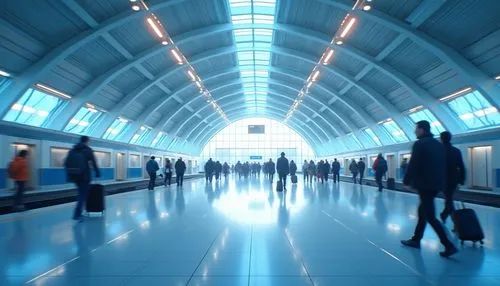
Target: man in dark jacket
x,y
361,170
336,170
218,170
354,170
81,176
455,173
380,168
270,169
180,169
283,169
326,170
209,170
426,175
152,167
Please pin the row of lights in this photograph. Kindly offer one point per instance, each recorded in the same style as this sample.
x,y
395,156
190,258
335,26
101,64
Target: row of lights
x,y
338,39
161,33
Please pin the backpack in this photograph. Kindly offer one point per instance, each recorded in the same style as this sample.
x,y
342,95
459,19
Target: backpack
x,y
76,163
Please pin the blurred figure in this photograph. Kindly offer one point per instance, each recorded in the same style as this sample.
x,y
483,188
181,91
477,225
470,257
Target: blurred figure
x,y
293,168
404,167
336,170
151,168
455,173
319,170
209,170
218,170
78,171
354,170
426,174
311,170
238,169
225,169
283,169
326,170
380,168
19,172
167,171
180,169
305,170
271,168
361,170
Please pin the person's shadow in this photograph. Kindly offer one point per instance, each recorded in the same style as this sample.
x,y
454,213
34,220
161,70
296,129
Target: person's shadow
x,y
180,203
169,199
362,201
283,213
293,195
210,193
152,211
354,196
380,210
336,192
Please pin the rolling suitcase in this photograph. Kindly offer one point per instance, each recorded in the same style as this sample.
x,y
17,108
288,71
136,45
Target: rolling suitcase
x,y
95,199
279,186
294,179
467,225
391,184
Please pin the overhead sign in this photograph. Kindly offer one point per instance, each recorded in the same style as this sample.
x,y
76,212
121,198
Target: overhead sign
x,y
256,129
255,157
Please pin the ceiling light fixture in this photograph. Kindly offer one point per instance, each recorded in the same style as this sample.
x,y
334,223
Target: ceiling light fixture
x,y
455,94
164,42
53,91
367,7
155,27
348,27
4,73
339,42
328,57
191,74
497,77
315,75
177,56
136,7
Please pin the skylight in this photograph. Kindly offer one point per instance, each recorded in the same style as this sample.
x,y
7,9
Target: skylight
x,y
475,111
373,138
253,45
425,114
395,132
84,118
115,129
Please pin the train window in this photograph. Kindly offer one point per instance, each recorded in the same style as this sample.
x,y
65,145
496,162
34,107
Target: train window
x,y
141,135
134,161
34,108
475,111
392,128
103,159
425,114
83,120
373,138
58,156
115,129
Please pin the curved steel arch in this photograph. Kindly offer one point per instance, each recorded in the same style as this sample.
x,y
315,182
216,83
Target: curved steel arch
x,y
298,128
273,102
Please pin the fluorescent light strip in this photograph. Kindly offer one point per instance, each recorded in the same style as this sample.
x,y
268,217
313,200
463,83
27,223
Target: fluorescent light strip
x,y
497,77
348,27
315,76
177,56
328,57
52,90
192,75
155,28
455,94
4,73
416,108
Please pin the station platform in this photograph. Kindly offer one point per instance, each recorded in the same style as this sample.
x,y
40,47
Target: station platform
x,y
242,233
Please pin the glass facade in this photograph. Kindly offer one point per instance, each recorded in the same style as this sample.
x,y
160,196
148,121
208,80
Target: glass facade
x,y
374,140
140,135
234,144
159,139
34,108
425,114
115,129
396,134
475,111
84,118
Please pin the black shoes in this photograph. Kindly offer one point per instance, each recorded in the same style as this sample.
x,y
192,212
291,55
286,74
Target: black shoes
x,y
449,251
411,243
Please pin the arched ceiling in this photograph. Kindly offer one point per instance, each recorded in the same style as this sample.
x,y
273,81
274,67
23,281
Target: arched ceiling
x,y
398,55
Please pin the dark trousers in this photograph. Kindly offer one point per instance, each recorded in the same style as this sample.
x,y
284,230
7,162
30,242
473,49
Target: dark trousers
x,y
378,179
361,175
152,180
427,214
179,178
336,177
354,176
168,179
21,187
449,207
83,192
326,176
217,175
271,176
306,175
282,178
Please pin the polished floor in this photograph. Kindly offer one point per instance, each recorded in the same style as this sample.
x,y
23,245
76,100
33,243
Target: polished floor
x,y
241,233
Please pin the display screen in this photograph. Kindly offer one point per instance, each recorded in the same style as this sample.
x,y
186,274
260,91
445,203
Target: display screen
x,y
256,129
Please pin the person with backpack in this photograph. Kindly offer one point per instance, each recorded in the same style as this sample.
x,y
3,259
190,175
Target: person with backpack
x,y
283,169
455,173
78,171
167,171
180,169
19,172
426,174
361,170
354,170
336,170
152,167
380,168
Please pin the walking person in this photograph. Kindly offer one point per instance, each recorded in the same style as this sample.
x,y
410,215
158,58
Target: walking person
x,y
455,173
19,172
293,168
319,171
361,170
152,167
78,171
271,169
404,167
180,169
336,170
167,171
380,168
354,170
218,170
209,170
283,169
311,171
326,170
426,174
305,172
225,169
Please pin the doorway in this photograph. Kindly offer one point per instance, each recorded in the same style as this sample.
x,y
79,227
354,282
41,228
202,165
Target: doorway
x,y
481,168
33,166
120,166
391,166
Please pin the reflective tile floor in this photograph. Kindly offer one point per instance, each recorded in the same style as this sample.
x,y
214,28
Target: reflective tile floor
x,y
241,233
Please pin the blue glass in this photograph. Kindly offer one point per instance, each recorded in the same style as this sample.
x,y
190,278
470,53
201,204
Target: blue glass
x,y
475,111
425,114
115,129
34,108
83,120
140,136
159,139
373,138
396,134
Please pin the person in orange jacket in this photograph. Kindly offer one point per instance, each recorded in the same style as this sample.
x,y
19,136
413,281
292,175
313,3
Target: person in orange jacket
x,y
19,172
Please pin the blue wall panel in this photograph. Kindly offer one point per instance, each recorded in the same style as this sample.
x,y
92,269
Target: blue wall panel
x,y
134,172
106,174
3,178
57,176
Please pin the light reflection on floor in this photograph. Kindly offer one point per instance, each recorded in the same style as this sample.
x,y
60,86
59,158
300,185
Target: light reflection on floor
x,y
241,232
